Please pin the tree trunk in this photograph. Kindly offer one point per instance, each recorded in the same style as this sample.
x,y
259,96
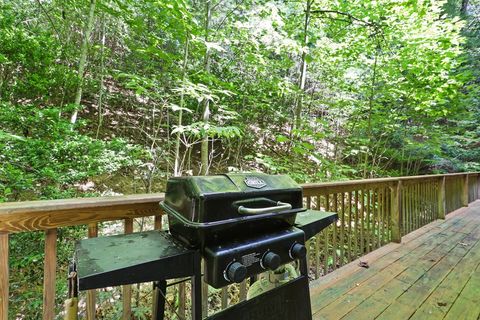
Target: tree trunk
x,y
206,110
82,61
303,68
102,77
464,7
177,170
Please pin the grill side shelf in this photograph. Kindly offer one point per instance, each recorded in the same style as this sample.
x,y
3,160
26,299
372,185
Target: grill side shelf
x,y
132,258
313,221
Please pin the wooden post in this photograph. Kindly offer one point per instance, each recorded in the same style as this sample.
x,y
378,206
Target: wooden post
x,y
243,290
158,222
396,211
49,271
127,289
91,299
478,186
4,282
465,191
441,199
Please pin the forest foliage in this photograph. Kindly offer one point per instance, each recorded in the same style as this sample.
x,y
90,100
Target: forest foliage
x,y
115,96
319,89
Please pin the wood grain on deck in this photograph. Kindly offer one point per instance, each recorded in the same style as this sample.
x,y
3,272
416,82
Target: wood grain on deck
x,y
433,274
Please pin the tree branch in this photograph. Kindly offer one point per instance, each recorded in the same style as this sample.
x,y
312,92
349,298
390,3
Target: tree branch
x,y
346,14
49,18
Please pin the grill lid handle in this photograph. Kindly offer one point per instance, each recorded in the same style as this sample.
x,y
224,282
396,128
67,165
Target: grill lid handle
x,y
281,206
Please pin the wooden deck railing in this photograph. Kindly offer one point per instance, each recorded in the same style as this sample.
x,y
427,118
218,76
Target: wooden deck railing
x,y
371,213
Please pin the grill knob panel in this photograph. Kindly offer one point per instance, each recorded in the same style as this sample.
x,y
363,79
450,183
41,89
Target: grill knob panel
x,y
235,272
271,261
298,251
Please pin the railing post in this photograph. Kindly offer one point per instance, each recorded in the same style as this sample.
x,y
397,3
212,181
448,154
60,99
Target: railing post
x,y
441,198
465,191
478,187
4,275
50,268
396,211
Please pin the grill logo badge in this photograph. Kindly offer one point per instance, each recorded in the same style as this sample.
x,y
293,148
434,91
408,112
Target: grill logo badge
x,y
255,182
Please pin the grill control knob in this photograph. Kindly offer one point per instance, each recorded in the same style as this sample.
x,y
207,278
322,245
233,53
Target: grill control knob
x,y
298,251
235,272
271,261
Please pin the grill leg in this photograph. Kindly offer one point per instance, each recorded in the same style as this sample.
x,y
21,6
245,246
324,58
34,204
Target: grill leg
x,y
197,289
304,267
160,289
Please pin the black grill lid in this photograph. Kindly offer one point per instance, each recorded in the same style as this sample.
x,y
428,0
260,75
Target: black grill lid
x,y
216,186
202,207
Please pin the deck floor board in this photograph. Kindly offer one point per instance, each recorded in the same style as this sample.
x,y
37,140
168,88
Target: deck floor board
x,y
433,275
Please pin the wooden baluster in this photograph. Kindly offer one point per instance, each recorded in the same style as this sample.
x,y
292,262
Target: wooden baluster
x,y
350,233
309,242
224,297
375,224
421,203
4,276
381,205
50,268
356,233
415,206
403,209
378,213
243,290
335,242
342,230
157,222
406,195
412,206
385,225
386,215
368,211
362,223
432,201
91,309
317,242
396,209
127,289
326,249
428,202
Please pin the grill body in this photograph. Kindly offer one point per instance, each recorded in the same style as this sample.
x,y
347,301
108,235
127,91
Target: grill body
x,y
206,210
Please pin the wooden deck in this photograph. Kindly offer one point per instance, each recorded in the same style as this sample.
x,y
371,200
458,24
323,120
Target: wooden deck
x,y
433,274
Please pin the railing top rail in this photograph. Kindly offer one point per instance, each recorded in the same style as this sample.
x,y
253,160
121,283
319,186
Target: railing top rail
x,y
380,180
76,203
47,214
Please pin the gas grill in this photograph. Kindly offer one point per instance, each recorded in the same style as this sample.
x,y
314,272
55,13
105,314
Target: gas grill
x,y
240,224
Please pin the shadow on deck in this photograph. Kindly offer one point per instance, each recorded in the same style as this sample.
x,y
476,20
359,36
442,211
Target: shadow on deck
x,y
433,274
